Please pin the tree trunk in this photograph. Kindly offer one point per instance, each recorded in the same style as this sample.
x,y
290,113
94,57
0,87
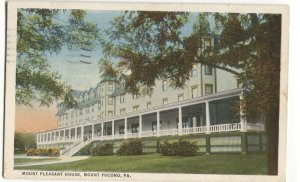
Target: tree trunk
x,y
272,122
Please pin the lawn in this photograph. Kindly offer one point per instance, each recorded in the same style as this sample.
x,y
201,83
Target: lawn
x,y
155,163
29,160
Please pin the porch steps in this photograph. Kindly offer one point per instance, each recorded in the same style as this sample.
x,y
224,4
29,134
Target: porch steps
x,y
75,147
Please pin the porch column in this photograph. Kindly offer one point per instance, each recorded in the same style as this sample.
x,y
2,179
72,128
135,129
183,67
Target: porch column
x,y
140,126
70,133
76,133
125,128
157,123
207,115
102,131
65,134
113,129
93,130
180,120
82,132
194,119
243,120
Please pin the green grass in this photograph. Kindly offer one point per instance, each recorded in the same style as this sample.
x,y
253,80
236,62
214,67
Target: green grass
x,y
155,163
27,160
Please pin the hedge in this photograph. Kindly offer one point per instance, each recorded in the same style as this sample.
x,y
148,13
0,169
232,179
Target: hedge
x,y
53,152
133,147
179,148
103,150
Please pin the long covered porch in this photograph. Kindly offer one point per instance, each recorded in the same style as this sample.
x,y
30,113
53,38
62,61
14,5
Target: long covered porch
x,y
218,112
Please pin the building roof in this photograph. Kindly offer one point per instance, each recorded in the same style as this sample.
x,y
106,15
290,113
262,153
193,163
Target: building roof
x,y
119,91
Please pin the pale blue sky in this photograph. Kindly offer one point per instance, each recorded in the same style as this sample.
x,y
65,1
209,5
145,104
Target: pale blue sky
x,y
84,76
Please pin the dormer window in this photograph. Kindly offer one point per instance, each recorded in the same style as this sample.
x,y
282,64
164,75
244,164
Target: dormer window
x,y
110,86
208,70
164,85
207,43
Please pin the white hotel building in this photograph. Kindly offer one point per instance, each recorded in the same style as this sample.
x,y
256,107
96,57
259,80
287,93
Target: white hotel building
x,y
108,112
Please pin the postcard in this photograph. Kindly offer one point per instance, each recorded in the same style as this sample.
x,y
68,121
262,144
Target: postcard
x,y
146,91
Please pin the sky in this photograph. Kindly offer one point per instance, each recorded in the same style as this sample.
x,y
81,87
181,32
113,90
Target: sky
x,y
78,76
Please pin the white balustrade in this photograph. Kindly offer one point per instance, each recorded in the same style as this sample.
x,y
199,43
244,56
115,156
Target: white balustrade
x,y
168,132
192,130
132,135
255,127
225,127
148,133
119,136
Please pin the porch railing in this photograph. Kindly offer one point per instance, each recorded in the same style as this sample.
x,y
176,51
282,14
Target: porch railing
x,y
225,127
255,127
192,130
149,133
168,132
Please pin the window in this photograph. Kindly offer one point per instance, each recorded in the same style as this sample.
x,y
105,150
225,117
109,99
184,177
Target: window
x,y
135,108
80,112
110,113
194,91
154,125
208,70
66,116
180,97
207,43
122,98
187,123
208,89
165,101
122,111
110,86
121,130
134,128
148,105
135,96
110,101
92,108
123,84
194,71
164,85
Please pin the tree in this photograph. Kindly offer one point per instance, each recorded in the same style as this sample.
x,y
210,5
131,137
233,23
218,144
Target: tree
x,y
24,141
145,46
40,34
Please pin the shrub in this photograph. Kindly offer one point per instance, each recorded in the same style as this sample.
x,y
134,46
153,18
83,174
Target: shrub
x,y
102,150
42,152
133,147
86,150
179,148
31,152
53,152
